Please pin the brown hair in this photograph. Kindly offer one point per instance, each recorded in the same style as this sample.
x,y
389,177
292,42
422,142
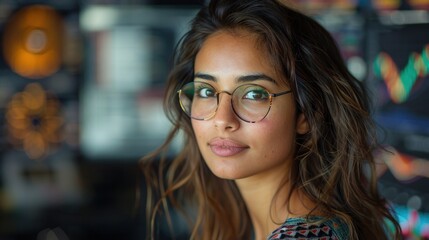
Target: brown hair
x,y
333,166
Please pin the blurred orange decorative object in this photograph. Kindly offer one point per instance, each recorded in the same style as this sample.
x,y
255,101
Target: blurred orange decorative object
x,y
386,5
419,4
34,121
32,41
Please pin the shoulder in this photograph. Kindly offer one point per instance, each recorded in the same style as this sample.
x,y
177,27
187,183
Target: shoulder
x,y
313,228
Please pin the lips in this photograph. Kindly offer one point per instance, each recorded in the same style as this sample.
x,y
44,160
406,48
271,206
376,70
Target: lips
x,y
225,147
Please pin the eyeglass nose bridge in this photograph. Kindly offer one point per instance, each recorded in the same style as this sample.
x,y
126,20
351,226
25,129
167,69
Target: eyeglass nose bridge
x,y
218,101
218,93
230,103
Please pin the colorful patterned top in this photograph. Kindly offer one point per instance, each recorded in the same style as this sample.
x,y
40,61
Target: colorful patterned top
x,y
303,229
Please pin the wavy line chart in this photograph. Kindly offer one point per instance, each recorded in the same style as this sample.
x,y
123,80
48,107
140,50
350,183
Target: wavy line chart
x,y
400,83
403,167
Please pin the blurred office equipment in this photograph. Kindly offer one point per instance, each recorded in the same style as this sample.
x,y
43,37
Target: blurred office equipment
x,y
81,86
129,58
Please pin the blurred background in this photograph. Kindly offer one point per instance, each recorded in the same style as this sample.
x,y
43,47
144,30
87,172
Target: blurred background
x,y
81,86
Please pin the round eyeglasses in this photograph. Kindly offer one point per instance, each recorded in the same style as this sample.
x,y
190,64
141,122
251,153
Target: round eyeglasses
x,y
250,102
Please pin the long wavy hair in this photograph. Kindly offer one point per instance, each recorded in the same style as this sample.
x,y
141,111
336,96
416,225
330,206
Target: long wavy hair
x,y
334,164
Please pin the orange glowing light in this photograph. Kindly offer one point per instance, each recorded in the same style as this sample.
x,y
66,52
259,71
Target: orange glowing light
x,y
32,41
33,121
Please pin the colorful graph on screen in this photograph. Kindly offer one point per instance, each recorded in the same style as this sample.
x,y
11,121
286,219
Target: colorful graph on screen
x,y
414,224
410,205
399,79
400,83
405,168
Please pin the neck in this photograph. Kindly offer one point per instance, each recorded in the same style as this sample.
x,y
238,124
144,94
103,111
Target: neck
x,y
266,209
266,214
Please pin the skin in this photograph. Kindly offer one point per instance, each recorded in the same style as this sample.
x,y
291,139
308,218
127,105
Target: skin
x,y
266,147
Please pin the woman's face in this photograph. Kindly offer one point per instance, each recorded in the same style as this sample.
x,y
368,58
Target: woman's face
x,y
231,147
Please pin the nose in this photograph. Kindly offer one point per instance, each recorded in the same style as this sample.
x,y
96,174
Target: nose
x,y
225,118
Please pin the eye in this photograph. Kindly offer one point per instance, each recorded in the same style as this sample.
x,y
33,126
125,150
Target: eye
x,y
256,94
205,92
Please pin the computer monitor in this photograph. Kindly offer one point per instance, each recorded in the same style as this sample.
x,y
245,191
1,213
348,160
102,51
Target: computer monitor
x,y
398,79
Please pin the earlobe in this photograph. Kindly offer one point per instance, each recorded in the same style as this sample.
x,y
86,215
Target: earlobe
x,y
302,126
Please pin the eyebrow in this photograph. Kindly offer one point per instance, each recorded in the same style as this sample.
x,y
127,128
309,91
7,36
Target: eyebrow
x,y
245,78
205,77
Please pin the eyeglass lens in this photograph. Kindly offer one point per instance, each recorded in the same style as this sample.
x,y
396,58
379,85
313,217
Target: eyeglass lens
x,y
250,102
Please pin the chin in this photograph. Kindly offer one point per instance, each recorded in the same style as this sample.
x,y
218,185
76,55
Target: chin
x,y
226,168
228,174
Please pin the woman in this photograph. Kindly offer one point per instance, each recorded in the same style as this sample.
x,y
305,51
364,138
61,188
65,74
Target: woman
x,y
278,138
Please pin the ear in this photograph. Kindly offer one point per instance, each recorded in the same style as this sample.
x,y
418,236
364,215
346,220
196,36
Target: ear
x,y
302,124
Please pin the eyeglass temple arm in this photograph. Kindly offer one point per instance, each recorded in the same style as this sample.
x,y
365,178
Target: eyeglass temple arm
x,y
280,93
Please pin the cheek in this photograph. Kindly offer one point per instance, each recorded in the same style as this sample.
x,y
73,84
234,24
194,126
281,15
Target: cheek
x,y
277,136
195,123
199,127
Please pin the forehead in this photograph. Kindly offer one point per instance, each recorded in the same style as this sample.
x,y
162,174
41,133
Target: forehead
x,y
239,44
234,52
